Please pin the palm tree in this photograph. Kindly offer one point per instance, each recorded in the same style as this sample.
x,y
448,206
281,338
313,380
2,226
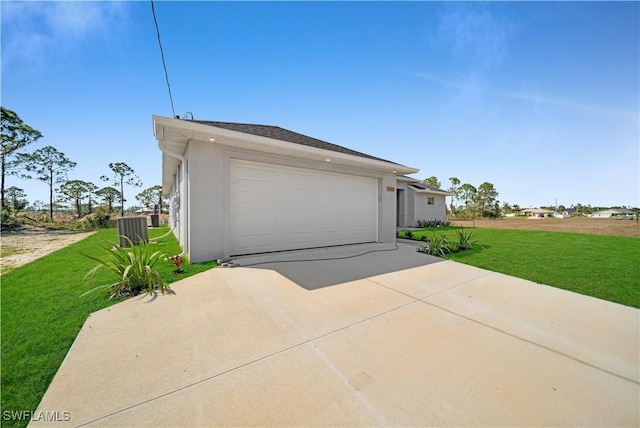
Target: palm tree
x,y
454,192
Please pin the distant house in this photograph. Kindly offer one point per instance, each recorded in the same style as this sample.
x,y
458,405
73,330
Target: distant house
x,y
613,212
417,201
536,212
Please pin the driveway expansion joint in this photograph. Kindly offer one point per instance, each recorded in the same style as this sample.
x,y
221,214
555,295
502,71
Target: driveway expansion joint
x,y
515,336
248,363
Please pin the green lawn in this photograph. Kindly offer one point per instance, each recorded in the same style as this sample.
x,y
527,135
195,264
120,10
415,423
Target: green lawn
x,y
606,267
42,312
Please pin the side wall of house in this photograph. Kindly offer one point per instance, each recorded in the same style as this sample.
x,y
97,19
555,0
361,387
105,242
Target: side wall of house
x,y
178,220
206,210
387,208
424,211
174,207
401,204
411,208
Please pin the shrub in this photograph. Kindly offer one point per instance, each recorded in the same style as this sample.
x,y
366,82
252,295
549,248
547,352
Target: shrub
x,y
134,269
465,239
8,218
100,219
438,245
408,234
431,223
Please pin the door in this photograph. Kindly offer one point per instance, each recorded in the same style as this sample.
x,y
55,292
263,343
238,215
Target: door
x,y
275,208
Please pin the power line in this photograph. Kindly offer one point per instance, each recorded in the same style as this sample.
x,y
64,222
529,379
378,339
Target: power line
x,y
164,65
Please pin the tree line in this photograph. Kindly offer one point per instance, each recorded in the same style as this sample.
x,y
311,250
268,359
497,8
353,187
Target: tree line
x,y
482,201
479,201
51,167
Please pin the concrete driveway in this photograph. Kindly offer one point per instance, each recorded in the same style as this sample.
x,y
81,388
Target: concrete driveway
x,y
438,344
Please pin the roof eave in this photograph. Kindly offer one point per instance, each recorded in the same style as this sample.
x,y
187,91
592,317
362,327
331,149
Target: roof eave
x,y
180,132
430,191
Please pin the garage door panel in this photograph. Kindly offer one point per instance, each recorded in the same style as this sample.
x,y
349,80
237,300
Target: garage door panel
x,y
257,242
333,238
297,221
362,200
274,207
297,177
340,199
249,222
361,220
300,198
300,240
364,234
254,197
248,172
332,221
331,183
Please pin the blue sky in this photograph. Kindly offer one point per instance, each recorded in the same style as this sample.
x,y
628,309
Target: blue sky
x,y
539,98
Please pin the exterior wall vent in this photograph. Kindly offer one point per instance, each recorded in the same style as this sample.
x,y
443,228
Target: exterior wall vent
x,y
134,228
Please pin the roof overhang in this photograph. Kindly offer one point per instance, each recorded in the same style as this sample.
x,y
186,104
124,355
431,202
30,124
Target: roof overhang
x,y
173,136
430,191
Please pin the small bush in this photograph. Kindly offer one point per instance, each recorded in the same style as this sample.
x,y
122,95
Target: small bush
x,y
465,239
134,269
431,223
408,234
8,218
438,245
100,219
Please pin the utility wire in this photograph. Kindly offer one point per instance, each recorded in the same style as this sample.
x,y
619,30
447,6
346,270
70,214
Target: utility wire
x,y
164,65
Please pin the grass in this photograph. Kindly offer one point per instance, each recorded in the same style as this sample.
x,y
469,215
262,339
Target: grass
x,y
42,312
606,267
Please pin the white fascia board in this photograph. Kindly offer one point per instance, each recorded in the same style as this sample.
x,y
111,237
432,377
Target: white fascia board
x,y
197,131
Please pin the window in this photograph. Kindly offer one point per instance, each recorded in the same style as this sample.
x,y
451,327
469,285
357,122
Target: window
x,y
431,200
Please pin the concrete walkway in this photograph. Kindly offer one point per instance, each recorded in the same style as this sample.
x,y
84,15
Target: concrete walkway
x,y
434,345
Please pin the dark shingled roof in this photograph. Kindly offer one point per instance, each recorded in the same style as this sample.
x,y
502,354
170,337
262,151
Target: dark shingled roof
x,y
282,134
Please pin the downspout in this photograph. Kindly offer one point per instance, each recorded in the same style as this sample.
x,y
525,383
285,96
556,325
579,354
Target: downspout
x,y
183,194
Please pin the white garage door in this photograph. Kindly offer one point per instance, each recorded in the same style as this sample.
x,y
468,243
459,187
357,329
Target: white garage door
x,y
275,208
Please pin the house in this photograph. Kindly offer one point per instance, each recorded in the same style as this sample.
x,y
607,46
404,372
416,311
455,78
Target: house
x,y
613,212
417,201
240,189
537,212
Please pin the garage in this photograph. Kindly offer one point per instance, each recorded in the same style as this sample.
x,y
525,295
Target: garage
x,y
275,208
241,188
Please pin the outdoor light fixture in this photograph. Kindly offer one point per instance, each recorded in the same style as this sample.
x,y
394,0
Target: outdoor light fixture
x,y
213,140
328,160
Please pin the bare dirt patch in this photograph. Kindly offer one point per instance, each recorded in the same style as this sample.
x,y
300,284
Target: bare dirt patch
x,y
19,248
596,226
